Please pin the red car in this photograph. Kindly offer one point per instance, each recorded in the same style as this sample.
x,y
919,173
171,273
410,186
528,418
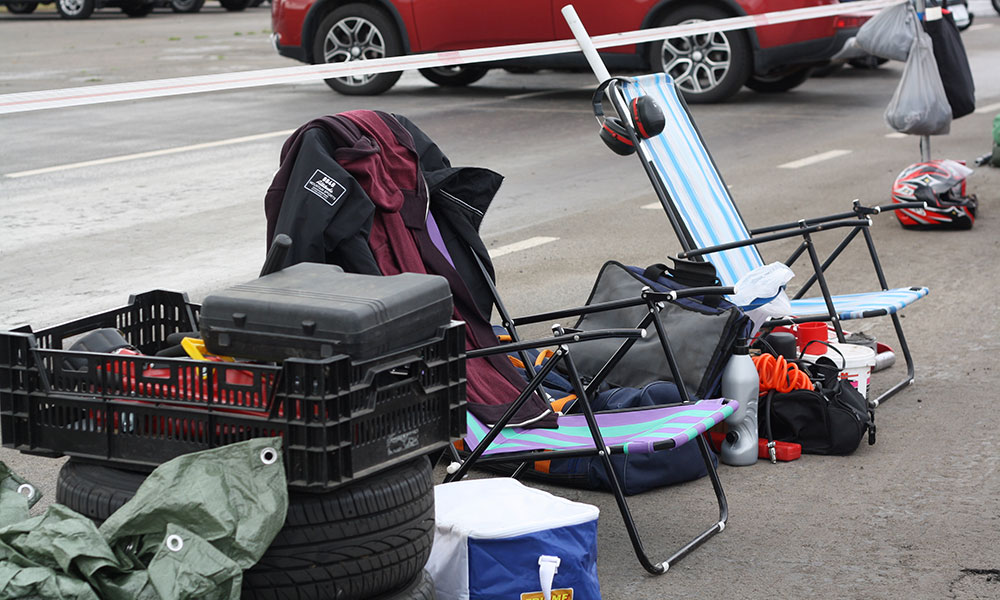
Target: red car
x,y
708,68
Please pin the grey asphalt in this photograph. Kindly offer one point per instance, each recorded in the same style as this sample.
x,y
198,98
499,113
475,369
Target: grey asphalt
x,y
915,516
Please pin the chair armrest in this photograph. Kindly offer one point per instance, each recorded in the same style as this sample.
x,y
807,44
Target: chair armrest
x,y
800,230
858,211
578,311
556,340
900,205
674,295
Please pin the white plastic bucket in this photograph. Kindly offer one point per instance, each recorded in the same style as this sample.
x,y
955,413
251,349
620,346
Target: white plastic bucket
x,y
858,362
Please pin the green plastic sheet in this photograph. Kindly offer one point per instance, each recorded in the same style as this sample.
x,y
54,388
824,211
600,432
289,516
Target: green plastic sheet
x,y
196,523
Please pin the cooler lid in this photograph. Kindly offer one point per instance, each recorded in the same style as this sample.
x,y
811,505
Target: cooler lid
x,y
503,507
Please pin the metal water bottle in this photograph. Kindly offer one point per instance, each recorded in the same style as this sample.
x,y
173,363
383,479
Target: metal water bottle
x,y
740,382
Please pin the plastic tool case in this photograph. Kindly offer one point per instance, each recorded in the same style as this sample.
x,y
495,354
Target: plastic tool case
x,y
312,310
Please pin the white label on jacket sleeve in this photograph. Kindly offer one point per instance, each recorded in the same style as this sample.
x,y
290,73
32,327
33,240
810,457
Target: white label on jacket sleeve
x,y
326,187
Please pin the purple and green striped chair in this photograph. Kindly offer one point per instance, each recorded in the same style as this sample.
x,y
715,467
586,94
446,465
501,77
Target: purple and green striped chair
x,y
604,434
708,224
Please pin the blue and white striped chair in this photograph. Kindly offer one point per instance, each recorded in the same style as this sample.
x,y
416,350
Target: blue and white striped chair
x,y
709,225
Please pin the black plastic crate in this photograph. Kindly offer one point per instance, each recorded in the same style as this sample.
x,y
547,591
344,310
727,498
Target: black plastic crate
x,y
340,419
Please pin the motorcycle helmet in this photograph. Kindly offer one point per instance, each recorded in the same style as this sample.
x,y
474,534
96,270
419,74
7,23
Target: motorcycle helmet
x,y
941,184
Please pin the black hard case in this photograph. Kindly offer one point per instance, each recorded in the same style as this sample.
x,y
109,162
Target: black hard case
x,y
312,310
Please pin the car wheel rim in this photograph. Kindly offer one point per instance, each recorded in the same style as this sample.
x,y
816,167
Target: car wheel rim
x,y
71,7
353,39
697,63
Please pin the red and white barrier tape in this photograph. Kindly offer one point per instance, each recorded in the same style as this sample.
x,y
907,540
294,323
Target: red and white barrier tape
x,y
137,90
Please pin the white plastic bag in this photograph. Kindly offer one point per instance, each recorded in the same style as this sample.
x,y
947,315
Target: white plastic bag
x,y
763,283
761,293
889,34
920,106
850,51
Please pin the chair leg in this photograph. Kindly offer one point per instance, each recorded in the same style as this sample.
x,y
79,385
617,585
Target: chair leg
x,y
870,242
908,380
616,488
633,532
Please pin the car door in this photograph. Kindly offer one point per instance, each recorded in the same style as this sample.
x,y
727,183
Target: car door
x,y
601,17
461,24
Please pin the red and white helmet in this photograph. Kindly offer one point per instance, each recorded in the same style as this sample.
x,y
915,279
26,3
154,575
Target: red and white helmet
x,y
941,184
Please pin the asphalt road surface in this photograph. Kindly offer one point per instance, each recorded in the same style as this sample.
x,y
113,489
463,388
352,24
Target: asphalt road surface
x,y
103,201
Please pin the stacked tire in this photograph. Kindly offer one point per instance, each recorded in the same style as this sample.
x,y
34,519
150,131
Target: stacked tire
x,y
368,539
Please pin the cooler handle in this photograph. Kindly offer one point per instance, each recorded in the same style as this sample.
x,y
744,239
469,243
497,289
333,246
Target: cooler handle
x,y
547,568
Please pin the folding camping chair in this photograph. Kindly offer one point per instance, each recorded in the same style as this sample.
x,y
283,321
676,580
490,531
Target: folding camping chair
x,y
709,226
643,430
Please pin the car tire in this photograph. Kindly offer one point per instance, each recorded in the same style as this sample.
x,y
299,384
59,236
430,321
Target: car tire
x,y
186,6
421,588
827,69
705,68
357,32
456,76
968,23
867,62
75,9
779,82
234,5
22,8
137,9
356,541
996,6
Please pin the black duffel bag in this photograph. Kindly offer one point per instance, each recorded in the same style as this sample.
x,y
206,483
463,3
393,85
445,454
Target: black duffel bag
x,y
701,330
832,419
953,65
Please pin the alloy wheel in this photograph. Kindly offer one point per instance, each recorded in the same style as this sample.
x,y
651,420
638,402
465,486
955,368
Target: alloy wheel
x,y
71,7
697,63
353,38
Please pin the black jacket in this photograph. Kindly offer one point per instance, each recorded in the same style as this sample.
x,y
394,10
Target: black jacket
x,y
329,217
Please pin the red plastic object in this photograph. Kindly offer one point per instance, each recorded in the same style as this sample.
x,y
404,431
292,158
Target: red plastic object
x,y
784,451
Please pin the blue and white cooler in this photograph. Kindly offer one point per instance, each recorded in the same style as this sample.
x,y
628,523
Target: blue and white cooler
x,y
497,538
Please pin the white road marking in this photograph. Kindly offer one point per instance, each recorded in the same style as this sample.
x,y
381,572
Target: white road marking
x,y
522,245
989,108
545,93
896,135
151,154
980,26
811,160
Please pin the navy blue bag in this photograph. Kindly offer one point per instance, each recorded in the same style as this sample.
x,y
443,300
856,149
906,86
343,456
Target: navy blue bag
x,y
636,472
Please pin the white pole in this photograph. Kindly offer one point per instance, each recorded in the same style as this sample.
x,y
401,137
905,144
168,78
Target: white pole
x,y
582,38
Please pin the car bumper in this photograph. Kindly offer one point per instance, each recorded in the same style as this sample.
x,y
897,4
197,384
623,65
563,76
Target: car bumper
x,y
816,51
296,52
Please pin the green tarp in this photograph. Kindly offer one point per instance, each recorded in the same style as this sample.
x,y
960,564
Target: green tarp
x,y
192,528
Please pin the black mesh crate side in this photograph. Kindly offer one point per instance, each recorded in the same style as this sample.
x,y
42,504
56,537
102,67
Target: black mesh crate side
x,y
340,420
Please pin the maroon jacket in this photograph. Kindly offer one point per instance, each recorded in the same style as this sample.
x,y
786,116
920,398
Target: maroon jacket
x,y
378,157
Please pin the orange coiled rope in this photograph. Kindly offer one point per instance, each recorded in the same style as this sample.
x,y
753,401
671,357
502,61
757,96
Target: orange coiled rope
x,y
777,374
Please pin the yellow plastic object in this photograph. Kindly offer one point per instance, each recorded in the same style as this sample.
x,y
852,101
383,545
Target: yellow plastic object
x,y
195,348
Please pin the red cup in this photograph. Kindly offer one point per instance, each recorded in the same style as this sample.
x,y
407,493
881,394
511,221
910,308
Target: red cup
x,y
816,333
